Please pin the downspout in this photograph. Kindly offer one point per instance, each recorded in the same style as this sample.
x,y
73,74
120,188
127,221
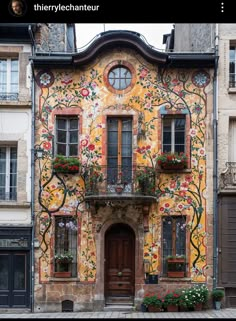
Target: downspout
x,y
32,172
215,162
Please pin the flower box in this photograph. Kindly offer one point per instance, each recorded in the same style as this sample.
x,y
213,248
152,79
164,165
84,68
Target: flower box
x,y
63,274
176,267
67,165
174,161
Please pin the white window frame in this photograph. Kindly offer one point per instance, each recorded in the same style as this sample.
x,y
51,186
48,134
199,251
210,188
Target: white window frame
x,y
8,72
232,45
173,119
7,172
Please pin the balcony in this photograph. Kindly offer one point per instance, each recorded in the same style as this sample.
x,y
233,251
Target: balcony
x,y
8,96
228,177
136,184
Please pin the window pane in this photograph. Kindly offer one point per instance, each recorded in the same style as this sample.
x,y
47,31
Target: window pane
x,y
179,138
180,124
180,236
179,148
112,124
61,149
61,123
112,150
74,124
4,270
127,124
61,136
73,137
167,240
112,137
166,138
73,150
166,148
19,272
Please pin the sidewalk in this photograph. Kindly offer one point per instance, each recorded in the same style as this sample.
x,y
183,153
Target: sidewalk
x,y
206,314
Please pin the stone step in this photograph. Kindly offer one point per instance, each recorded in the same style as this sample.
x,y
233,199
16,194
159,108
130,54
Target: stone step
x,y
118,307
119,300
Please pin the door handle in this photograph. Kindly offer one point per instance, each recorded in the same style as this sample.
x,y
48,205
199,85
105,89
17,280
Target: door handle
x,y
119,274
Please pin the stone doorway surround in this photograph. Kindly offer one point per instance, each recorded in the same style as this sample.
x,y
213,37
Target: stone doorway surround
x,y
102,220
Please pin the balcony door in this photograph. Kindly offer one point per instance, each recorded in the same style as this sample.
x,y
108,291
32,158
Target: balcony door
x,y
119,152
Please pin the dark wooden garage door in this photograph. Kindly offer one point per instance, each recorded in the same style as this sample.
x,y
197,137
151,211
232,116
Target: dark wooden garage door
x,y
227,248
119,261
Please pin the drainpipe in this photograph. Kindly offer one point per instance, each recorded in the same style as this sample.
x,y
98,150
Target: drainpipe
x,y
215,162
32,172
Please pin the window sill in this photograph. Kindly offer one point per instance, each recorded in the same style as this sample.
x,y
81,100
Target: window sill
x,y
71,279
166,279
186,170
12,204
232,90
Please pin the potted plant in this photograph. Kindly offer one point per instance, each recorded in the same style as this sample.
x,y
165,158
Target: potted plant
x,y
171,301
145,178
217,296
63,261
175,266
172,160
201,292
63,164
153,303
92,176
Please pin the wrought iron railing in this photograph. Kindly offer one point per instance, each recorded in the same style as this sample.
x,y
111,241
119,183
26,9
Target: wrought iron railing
x,y
8,96
120,180
10,196
228,176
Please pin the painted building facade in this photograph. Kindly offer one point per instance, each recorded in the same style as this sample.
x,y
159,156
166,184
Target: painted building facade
x,y
107,214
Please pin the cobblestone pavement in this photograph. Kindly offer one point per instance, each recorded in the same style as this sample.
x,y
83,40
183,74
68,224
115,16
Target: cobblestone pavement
x,y
206,314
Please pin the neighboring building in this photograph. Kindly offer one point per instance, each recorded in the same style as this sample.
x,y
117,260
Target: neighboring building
x,y
115,107
227,161
15,166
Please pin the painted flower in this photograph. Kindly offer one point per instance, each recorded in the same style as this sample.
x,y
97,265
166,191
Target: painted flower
x,y
91,147
45,79
180,206
161,209
200,79
167,205
188,178
143,73
194,161
193,132
172,185
67,79
148,106
84,142
47,145
84,92
201,151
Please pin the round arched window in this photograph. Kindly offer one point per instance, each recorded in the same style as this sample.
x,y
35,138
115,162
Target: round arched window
x,y
120,77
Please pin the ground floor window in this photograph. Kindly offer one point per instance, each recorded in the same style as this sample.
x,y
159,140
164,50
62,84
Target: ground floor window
x,y
66,244
174,238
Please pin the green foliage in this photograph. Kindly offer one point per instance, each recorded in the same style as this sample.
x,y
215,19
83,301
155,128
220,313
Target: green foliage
x,y
65,257
172,160
63,164
153,300
217,294
172,298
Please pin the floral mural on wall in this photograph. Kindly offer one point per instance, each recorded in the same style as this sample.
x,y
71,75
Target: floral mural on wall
x,y
156,92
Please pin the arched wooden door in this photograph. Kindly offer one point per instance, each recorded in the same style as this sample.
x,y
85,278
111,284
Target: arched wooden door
x,y
119,261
